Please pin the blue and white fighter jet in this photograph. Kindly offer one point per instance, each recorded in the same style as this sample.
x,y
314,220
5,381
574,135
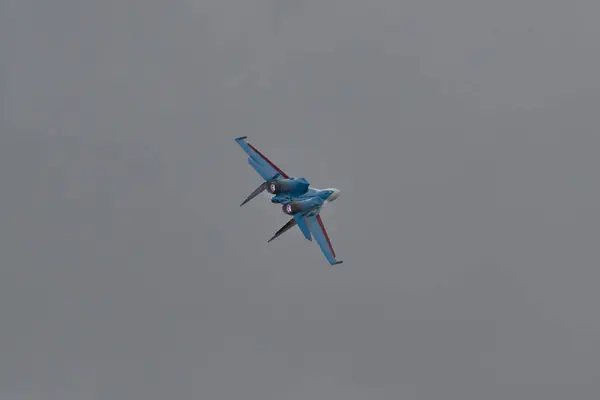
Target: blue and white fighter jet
x,y
297,197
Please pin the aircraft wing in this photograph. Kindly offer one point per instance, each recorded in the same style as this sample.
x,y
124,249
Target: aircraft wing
x,y
315,224
265,167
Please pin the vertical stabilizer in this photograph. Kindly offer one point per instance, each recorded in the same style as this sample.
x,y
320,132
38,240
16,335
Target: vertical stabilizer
x,y
256,192
289,225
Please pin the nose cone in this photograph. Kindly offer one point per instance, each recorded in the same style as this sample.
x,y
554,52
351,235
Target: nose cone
x,y
333,196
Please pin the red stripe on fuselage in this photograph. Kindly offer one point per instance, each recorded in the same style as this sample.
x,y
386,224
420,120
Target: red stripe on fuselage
x,y
269,161
326,235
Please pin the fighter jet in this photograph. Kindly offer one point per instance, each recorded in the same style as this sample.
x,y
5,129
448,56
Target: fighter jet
x,y
297,197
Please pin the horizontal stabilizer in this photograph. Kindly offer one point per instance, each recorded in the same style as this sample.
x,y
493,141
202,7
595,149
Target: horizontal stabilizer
x,y
303,225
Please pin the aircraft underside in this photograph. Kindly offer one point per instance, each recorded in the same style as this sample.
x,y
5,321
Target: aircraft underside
x,y
297,198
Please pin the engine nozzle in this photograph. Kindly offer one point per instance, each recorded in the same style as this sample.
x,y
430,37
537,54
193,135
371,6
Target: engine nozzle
x,y
293,208
292,185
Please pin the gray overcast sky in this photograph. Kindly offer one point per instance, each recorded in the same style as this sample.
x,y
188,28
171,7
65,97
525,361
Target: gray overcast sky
x,y
463,135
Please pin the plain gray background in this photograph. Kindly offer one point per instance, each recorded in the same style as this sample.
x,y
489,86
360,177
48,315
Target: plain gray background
x,y
463,135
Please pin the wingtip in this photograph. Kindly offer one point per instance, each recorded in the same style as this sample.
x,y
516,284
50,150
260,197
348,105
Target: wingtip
x,y
241,138
337,262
